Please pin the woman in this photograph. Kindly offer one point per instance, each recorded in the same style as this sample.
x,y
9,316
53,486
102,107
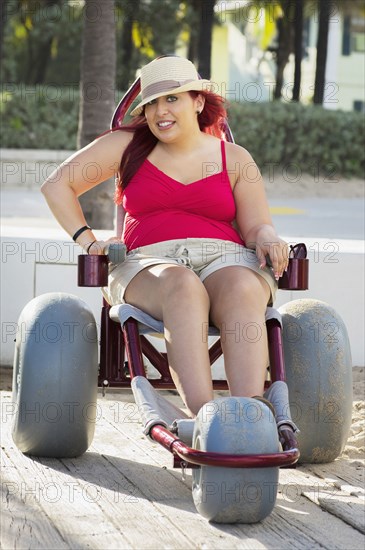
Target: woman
x,y
187,264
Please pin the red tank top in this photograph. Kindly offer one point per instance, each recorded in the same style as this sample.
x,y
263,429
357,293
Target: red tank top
x,y
160,208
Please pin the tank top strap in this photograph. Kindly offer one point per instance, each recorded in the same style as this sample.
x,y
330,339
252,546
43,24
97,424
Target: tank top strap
x,y
223,151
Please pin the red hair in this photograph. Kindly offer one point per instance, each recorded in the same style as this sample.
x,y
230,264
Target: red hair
x,y
211,120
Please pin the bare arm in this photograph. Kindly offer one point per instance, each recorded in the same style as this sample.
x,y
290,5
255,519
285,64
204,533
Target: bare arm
x,y
253,215
87,168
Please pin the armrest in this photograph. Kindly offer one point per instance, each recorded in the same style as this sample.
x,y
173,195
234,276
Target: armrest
x,y
93,269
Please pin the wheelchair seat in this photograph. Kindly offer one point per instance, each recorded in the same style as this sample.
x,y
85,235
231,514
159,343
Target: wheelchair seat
x,y
149,325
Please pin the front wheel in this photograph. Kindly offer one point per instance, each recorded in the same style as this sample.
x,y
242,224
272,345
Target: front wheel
x,y
235,425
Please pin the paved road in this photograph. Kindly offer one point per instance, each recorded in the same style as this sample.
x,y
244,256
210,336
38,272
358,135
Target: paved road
x,y
319,217
312,217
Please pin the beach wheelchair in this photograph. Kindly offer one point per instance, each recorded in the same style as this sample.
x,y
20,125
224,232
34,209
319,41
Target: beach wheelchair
x,y
235,446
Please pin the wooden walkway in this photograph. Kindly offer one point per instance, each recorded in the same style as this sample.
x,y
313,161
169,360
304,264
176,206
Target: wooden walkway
x,y
124,493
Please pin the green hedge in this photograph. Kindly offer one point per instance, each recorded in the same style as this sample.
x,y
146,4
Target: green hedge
x,y
305,138
38,117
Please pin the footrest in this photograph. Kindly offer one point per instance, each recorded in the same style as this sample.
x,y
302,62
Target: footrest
x,y
278,395
153,407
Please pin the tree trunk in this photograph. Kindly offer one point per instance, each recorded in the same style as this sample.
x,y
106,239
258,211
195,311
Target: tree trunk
x,y
43,57
205,38
284,46
322,44
3,20
298,49
130,15
97,100
193,23
43,48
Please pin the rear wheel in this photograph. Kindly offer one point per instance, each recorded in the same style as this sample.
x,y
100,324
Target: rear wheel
x,y
319,377
55,377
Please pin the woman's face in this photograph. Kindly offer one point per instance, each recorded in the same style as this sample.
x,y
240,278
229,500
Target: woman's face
x,y
172,116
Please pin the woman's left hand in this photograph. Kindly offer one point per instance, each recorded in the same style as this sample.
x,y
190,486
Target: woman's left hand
x,y
268,244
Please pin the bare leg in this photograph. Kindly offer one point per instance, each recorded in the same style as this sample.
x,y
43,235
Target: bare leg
x,y
176,295
238,302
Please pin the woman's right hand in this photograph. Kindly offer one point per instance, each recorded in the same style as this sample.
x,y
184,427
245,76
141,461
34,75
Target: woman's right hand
x,y
98,248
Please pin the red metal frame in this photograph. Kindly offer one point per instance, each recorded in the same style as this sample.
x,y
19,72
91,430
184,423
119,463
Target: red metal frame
x,y
122,351
117,343
204,458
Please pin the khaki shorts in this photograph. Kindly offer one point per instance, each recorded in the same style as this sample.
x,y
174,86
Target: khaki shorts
x,y
203,256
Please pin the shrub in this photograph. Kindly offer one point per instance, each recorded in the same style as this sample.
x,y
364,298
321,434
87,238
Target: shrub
x,y
38,117
306,138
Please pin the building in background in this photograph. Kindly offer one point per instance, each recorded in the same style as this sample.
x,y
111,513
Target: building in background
x,y
243,64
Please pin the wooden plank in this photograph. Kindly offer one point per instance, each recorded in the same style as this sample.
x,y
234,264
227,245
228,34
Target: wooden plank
x,y
344,501
129,480
170,494
23,522
98,483
123,493
274,526
63,498
349,508
333,500
148,483
47,483
342,473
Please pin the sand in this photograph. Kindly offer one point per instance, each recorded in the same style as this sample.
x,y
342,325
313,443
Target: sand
x,y
355,447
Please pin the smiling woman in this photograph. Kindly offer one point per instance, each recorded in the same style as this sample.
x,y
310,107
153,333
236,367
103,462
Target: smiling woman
x,y
210,118
197,229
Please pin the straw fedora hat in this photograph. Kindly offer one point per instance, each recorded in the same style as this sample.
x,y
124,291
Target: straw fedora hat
x,y
168,75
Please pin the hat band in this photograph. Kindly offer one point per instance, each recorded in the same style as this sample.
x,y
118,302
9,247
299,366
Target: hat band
x,y
163,86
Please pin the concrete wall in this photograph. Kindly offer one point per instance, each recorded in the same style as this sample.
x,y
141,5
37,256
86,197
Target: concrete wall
x,y
27,169
34,264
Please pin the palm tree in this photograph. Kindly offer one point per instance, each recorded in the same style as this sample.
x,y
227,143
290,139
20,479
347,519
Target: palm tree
x,y
322,45
285,45
279,12
126,44
97,100
298,48
192,17
205,37
325,8
3,20
199,17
